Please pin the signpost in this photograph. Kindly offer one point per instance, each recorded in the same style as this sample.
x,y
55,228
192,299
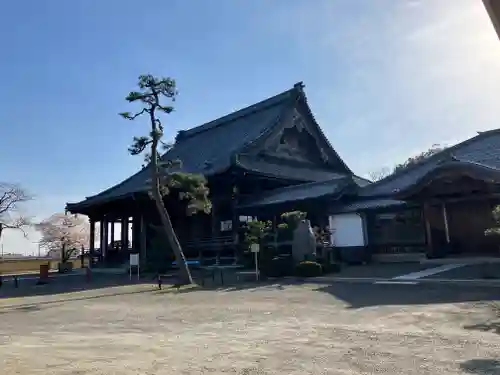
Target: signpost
x,y
134,262
255,248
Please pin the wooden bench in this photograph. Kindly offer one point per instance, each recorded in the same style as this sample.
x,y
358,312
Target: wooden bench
x,y
177,283
14,278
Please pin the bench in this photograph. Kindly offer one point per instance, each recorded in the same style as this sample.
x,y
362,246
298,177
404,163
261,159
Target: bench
x,y
176,282
14,278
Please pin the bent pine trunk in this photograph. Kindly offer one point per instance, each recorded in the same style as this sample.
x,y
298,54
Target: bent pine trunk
x,y
184,273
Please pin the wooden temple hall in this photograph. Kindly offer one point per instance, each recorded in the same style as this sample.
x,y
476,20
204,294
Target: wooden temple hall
x,y
272,157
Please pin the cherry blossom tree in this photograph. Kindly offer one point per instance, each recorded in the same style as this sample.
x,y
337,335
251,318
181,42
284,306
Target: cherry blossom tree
x,y
64,233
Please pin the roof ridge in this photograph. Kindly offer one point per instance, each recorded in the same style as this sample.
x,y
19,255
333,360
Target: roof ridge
x,y
242,112
434,157
474,163
490,131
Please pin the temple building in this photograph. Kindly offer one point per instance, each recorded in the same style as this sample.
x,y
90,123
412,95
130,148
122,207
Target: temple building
x,y
272,157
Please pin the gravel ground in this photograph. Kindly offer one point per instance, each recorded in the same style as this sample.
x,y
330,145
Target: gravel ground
x,y
308,329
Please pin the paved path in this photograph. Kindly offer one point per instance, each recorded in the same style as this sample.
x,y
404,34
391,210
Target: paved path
x,y
415,273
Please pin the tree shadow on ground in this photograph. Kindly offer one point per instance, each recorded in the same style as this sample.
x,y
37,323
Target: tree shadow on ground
x,y
28,308
228,286
78,283
29,288
491,325
359,295
482,366
356,295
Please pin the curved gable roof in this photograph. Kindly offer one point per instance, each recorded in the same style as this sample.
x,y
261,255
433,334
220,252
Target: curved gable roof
x,y
209,148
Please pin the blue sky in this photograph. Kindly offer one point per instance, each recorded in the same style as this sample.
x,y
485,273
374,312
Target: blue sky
x,y
385,79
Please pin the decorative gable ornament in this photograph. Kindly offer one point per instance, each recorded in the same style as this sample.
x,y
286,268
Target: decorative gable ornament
x,y
296,142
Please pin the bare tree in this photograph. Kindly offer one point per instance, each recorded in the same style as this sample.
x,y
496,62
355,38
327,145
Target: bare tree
x,y
380,174
434,149
420,157
193,187
11,197
64,233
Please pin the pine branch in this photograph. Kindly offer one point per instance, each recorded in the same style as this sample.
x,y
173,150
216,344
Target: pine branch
x,y
129,116
139,145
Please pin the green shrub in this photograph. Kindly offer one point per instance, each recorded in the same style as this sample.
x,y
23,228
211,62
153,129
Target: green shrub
x,y
279,266
330,267
308,269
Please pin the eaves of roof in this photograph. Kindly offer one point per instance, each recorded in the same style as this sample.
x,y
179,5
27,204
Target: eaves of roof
x,y
296,193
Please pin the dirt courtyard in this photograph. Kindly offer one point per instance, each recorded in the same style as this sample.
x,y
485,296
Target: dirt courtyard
x,y
307,329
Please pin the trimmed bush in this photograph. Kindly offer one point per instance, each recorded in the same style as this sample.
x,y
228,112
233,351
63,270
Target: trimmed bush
x,y
308,269
330,267
279,266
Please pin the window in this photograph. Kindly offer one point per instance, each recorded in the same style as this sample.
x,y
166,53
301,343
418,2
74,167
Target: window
x,y
403,228
246,219
226,225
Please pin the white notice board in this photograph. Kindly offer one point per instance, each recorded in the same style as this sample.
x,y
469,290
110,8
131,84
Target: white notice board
x,y
254,248
134,262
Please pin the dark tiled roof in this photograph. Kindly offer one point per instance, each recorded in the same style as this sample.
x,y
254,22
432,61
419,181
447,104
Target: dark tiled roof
x,y
292,172
483,149
300,192
360,181
449,169
209,148
367,204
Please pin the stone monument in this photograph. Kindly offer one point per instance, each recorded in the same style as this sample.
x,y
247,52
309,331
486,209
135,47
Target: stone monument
x,y
304,242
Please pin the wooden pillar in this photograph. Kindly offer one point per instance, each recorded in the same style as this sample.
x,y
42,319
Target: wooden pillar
x,y
275,233
215,221
102,235
428,232
365,228
124,233
445,221
142,240
112,236
92,235
235,218
135,233
105,237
